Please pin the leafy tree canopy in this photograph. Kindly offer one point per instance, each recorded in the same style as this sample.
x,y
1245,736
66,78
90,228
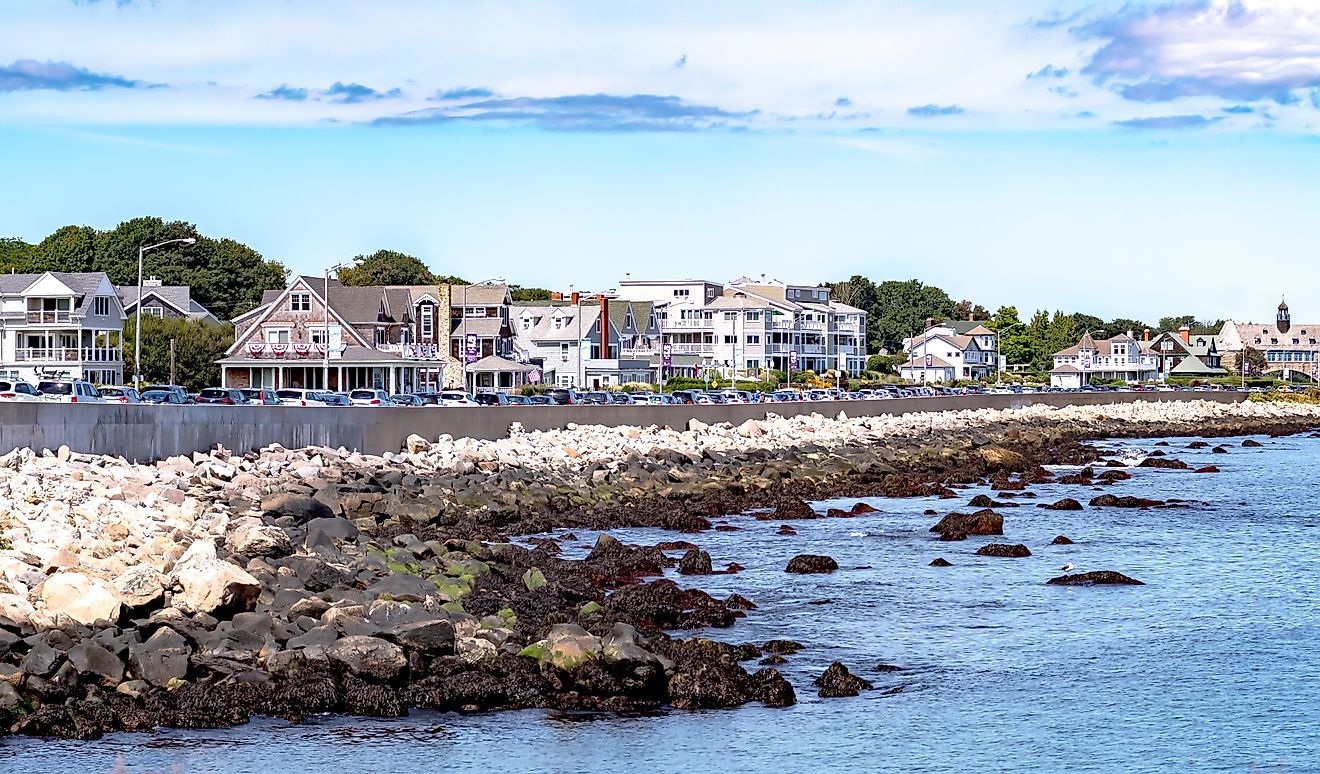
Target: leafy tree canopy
x,y
529,294
197,345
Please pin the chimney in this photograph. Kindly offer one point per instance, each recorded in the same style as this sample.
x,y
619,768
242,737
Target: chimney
x,y
930,323
1186,334
970,317
151,282
556,296
1145,335
575,298
604,325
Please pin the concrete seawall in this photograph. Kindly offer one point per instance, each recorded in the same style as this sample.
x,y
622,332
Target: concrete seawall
x,y
143,433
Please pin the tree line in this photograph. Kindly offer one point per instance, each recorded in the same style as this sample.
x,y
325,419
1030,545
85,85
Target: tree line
x,y
898,309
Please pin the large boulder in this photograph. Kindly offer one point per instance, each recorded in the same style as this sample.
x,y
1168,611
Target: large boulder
x,y
806,564
300,508
90,657
81,597
569,646
836,681
620,644
1066,504
369,657
1169,463
983,522
209,584
253,540
138,586
999,458
1095,578
162,658
695,562
772,689
1004,550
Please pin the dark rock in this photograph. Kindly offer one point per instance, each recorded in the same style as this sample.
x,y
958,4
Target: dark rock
x,y
739,602
1113,501
1207,469
981,501
983,522
886,668
1066,504
300,508
784,529
727,528
368,657
401,587
1096,578
1197,445
836,681
1251,443
163,657
41,659
930,512
325,534
772,689
694,562
1219,450
782,647
625,564
1061,540
805,564
675,545
1004,550
89,657
952,537
774,659
941,562
1168,463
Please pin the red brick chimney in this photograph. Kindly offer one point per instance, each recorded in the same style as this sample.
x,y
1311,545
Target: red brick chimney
x,y
1186,334
604,326
1145,335
575,298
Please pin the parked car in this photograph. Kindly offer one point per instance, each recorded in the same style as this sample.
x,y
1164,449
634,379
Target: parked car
x,y
595,398
686,396
626,399
519,400
401,399
224,396
331,398
297,397
18,392
564,396
169,387
540,400
491,399
165,398
456,399
75,391
262,396
368,397
120,395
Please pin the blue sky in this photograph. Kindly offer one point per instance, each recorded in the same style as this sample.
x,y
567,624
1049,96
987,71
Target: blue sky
x,y
1121,159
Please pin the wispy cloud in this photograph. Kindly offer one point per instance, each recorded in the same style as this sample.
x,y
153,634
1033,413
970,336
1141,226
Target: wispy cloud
x,y
1239,109
681,62
353,93
464,92
1050,71
1168,122
931,111
31,75
582,113
286,92
139,142
843,102
1235,50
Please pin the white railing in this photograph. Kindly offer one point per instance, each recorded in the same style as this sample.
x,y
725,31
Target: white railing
x,y
813,349
689,324
638,353
693,349
47,317
795,325
68,355
101,355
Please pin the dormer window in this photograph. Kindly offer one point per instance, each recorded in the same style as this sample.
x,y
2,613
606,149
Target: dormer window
x,y
300,302
101,306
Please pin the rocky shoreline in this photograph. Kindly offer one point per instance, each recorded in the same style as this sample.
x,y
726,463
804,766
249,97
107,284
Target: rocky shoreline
x,y
199,592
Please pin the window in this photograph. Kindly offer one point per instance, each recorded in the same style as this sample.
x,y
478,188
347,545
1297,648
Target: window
x,y
154,311
754,364
682,292
300,302
563,351
428,322
317,335
277,335
753,316
380,336
730,339
753,339
527,323
101,306
559,322
730,315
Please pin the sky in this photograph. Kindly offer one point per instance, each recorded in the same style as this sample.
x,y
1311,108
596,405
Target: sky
x,y
1124,159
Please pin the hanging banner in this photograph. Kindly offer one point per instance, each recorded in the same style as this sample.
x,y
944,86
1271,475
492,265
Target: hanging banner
x,y
335,337
667,355
472,348
793,361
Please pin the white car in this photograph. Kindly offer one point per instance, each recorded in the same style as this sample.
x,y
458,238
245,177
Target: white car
x,y
76,391
296,397
18,392
456,398
369,398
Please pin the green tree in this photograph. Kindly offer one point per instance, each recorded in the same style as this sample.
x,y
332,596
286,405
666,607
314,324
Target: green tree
x,y
1038,335
529,294
16,255
857,291
1121,326
1255,360
1014,337
387,267
901,310
1061,334
197,346
1168,324
71,248
1085,322
966,310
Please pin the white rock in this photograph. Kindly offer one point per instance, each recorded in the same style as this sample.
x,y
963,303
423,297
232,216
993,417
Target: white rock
x,y
209,583
81,597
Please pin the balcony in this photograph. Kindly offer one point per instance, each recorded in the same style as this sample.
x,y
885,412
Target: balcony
x,y
796,325
639,353
689,324
412,351
47,316
68,355
693,349
813,349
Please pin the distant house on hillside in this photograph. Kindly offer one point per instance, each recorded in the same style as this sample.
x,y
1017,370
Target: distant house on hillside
x,y
164,301
942,354
1183,354
61,325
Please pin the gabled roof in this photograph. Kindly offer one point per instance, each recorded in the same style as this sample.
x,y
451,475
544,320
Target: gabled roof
x,y
918,362
82,284
496,363
484,327
479,295
1194,366
963,327
303,283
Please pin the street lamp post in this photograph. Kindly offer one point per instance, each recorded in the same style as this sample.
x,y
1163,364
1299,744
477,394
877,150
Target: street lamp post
x,y
137,326
999,374
463,347
325,330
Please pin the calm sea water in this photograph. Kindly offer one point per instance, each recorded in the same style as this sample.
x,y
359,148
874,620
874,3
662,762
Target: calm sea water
x,y
1213,666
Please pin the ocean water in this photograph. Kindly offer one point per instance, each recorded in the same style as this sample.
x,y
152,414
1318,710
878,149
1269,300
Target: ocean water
x,y
1212,666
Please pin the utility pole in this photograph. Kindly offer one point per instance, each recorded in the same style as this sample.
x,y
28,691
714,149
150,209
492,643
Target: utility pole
x,y
172,363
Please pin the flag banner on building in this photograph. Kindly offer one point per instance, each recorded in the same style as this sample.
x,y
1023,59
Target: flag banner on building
x,y
792,361
930,360
534,376
667,355
335,336
472,348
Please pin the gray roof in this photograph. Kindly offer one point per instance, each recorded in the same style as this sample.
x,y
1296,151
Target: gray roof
x,y
478,295
485,327
496,363
82,283
545,330
179,297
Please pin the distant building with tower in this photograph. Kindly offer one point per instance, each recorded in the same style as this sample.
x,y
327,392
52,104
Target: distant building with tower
x,y
1287,346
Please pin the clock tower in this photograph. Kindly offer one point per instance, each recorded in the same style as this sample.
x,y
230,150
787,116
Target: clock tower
x,y
1284,320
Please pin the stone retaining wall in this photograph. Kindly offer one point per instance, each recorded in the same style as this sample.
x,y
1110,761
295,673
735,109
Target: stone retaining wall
x,y
144,433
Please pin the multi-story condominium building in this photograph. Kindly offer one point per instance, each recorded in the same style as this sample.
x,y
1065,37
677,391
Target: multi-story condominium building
x,y
163,301
61,325
752,325
1120,357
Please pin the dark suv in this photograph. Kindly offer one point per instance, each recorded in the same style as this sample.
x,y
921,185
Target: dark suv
x,y
563,396
222,395
491,398
596,398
